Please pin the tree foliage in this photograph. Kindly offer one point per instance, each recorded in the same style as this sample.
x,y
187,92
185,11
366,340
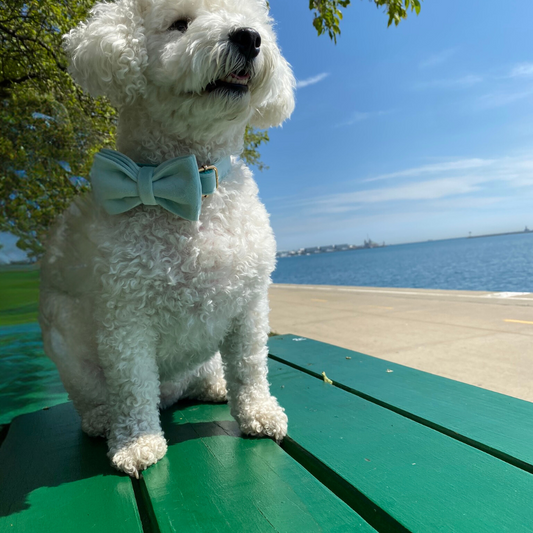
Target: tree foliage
x,y
50,130
328,14
252,140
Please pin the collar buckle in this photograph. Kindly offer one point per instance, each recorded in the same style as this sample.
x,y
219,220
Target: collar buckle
x,y
205,168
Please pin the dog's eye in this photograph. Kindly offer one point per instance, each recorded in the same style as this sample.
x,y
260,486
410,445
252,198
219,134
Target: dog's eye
x,y
180,25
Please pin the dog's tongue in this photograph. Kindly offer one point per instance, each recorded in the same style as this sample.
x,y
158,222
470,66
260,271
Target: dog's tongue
x,y
242,75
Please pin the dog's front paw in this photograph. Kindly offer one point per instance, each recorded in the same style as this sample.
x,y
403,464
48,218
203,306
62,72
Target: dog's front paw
x,y
266,419
138,453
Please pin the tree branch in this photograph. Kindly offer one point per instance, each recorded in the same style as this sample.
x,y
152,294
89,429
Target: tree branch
x,y
23,39
7,82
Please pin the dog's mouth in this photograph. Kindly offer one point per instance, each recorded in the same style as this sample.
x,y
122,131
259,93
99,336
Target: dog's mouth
x,y
234,83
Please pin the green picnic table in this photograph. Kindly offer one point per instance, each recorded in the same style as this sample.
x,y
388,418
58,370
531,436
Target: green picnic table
x,y
376,447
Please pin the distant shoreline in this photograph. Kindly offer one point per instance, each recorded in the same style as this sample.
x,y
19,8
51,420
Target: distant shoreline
x,y
291,253
499,234
523,232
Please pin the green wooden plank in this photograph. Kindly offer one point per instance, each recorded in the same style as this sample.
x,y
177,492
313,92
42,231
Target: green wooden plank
x,y
214,480
54,479
493,422
29,380
424,480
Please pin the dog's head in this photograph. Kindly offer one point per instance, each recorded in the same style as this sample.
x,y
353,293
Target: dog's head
x,y
185,60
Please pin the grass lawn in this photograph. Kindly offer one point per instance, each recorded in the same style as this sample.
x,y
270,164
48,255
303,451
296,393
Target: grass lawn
x,y
19,295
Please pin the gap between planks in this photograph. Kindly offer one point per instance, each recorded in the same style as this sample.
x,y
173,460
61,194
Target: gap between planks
x,y
144,506
376,517
4,429
498,454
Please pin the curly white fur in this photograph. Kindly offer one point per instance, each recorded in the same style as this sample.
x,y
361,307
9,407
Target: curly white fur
x,y
141,309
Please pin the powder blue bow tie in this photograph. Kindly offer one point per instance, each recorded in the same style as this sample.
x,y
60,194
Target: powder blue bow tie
x,y
177,185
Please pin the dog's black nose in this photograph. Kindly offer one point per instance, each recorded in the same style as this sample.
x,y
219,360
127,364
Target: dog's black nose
x,y
247,40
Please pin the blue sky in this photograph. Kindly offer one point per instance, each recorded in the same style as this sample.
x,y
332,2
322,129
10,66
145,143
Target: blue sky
x,y
421,131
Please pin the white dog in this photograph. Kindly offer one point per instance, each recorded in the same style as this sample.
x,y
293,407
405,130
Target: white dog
x,y
141,308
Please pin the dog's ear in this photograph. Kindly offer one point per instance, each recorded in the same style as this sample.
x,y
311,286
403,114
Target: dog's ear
x,y
278,104
108,54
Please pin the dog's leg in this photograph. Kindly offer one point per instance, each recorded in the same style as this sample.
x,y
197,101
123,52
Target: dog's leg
x,y
172,391
69,342
206,383
82,378
244,354
127,355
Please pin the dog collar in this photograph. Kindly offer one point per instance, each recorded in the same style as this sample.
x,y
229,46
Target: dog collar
x,y
177,185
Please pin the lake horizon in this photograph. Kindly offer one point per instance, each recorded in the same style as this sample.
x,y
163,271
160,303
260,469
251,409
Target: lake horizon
x,y
497,263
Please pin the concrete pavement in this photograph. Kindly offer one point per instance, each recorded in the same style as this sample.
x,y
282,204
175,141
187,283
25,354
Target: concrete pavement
x,y
481,338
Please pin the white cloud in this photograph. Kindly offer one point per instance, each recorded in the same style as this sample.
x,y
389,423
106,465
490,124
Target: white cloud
x,y
421,190
462,164
453,83
311,81
523,70
450,181
502,98
359,116
437,59
513,87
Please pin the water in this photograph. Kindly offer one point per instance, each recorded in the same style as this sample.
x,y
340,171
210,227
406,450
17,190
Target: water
x,y
503,263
